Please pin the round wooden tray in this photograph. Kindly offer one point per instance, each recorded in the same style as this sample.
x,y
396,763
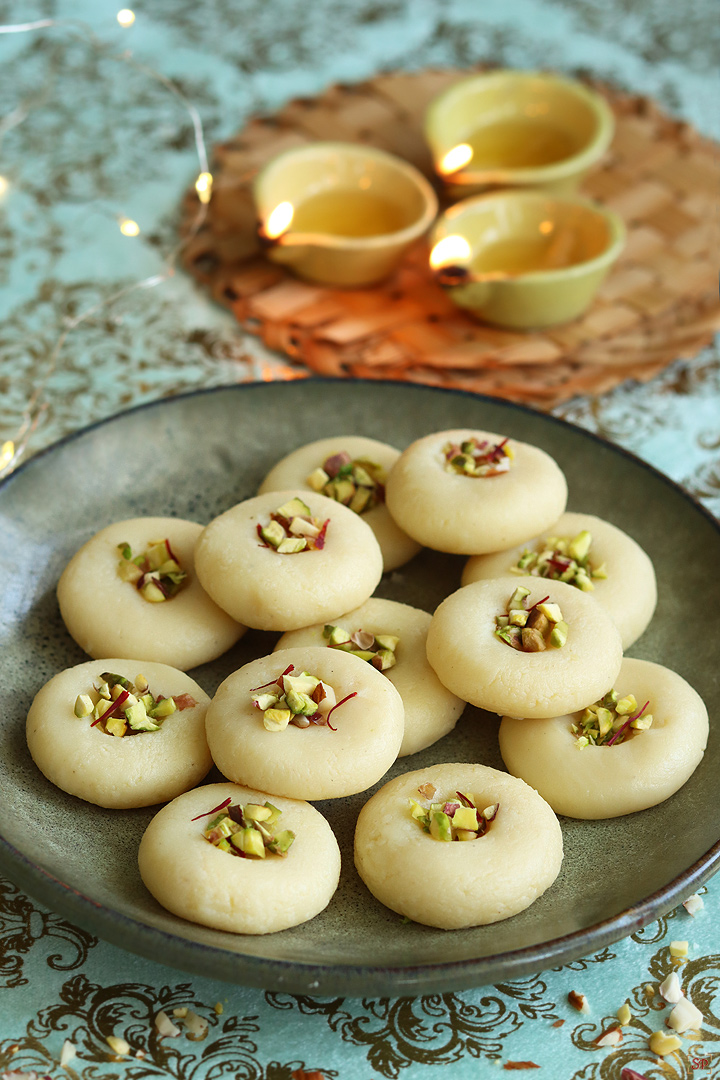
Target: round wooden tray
x,y
660,302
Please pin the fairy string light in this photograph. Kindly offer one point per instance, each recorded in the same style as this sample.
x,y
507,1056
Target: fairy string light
x,y
13,449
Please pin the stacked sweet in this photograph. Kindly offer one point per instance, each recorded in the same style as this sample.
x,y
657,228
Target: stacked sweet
x,y
535,634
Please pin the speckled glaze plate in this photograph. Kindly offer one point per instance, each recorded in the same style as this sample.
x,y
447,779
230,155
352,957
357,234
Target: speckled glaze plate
x,y
194,457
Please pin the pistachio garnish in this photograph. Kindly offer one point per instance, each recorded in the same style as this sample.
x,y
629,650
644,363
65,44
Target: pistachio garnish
x,y
376,649
562,558
156,573
119,707
478,457
300,700
531,629
248,830
292,528
356,482
610,720
456,818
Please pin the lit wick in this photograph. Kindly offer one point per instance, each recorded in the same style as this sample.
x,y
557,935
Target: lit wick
x,y
448,260
455,159
278,222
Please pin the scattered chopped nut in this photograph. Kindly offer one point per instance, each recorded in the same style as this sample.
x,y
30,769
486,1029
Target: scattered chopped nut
x,y
165,1026
579,1002
558,1023
156,573
292,528
478,457
685,1017
67,1053
181,1011
670,988
623,1014
663,1044
678,950
218,1008
531,629
649,991
455,818
520,1065
376,649
197,1026
611,1037
118,1045
693,903
359,483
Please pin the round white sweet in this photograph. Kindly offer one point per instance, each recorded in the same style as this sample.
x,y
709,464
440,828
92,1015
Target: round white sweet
x,y
198,881
135,770
269,591
470,515
109,617
607,781
292,472
314,762
480,668
431,711
628,594
458,883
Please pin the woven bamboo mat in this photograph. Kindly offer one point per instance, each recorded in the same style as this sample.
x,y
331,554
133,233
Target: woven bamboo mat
x,y
659,303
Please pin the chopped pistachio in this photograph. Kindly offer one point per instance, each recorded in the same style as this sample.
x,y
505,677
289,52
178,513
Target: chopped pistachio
x,y
359,484
478,457
248,831
517,600
563,559
531,629
376,649
454,818
273,534
122,708
156,573
292,529
294,507
83,705
317,479
551,612
276,719
602,725
162,708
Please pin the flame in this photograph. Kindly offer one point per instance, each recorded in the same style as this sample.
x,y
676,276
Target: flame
x,y
455,159
203,186
129,227
279,220
450,251
7,453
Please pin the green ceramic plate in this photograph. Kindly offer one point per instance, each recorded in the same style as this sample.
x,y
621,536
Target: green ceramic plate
x,y
194,457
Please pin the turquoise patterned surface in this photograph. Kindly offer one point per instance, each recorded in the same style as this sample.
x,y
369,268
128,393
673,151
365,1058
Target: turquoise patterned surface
x,y
90,135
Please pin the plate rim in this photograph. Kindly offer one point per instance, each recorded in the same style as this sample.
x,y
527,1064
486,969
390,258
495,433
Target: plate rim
x,y
209,960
